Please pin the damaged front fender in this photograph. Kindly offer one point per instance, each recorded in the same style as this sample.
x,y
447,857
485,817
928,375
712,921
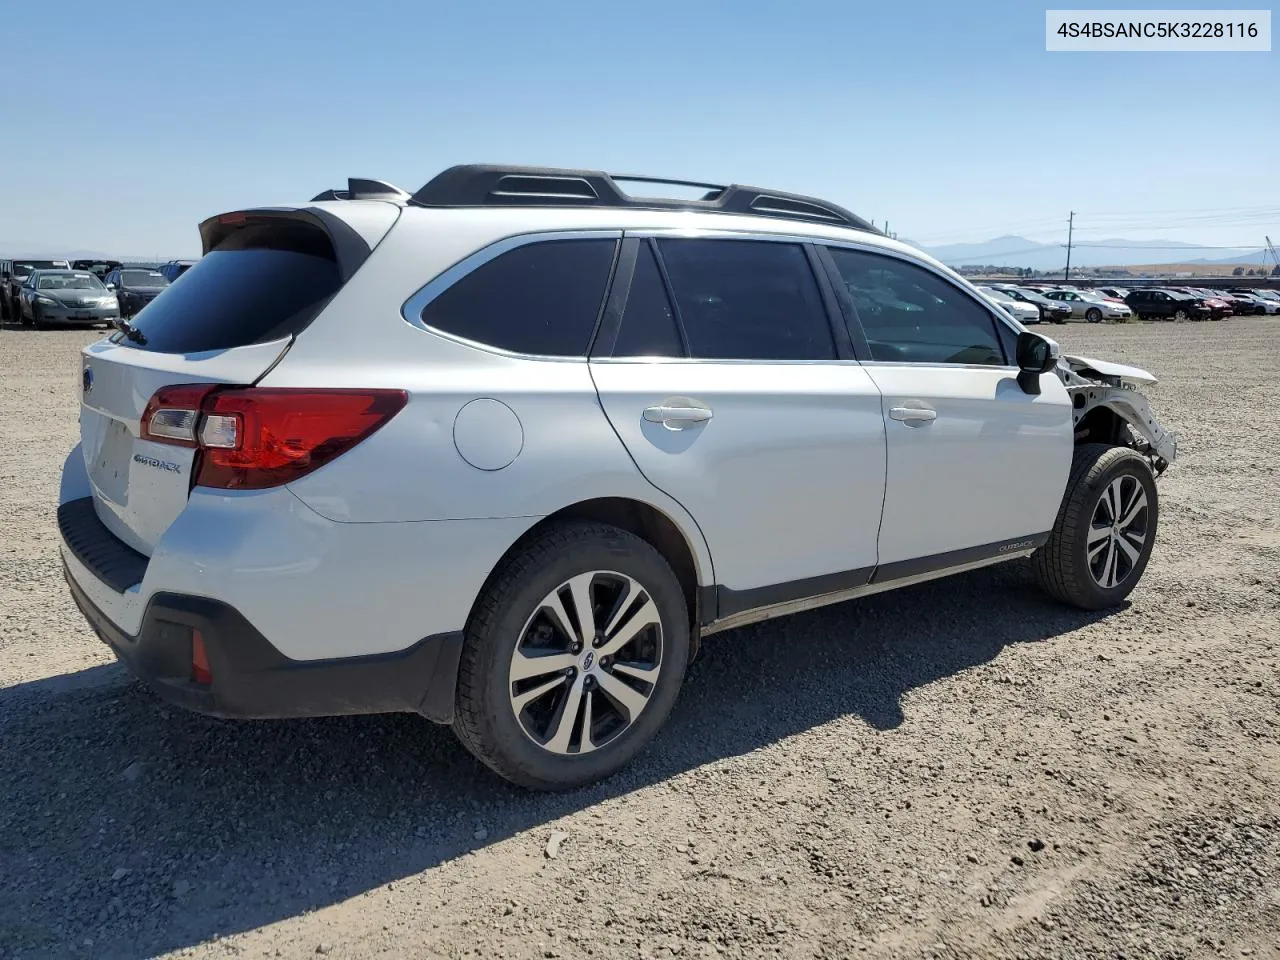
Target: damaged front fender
x,y
1094,384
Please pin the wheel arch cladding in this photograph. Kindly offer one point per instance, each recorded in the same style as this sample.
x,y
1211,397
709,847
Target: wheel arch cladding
x,y
645,521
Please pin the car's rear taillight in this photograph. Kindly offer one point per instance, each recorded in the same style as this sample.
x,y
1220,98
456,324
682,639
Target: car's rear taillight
x,y
172,413
249,438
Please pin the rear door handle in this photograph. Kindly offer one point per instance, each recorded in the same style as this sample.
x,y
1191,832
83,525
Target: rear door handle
x,y
676,414
913,415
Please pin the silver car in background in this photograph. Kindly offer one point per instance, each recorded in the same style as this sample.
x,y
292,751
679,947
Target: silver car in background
x,y
1020,310
1091,306
66,297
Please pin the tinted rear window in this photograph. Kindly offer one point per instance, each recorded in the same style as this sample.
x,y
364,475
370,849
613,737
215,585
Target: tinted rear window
x,y
261,283
541,298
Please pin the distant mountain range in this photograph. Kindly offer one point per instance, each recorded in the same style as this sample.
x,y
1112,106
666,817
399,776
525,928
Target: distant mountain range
x,y
1014,251
10,250
1009,251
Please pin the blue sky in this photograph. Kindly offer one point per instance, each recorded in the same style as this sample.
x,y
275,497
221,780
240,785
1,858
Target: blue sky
x,y
128,123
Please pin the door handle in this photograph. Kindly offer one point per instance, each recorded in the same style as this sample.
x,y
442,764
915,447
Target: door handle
x,y
912,415
675,415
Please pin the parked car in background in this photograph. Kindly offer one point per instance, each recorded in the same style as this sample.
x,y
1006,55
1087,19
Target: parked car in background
x,y
1270,296
66,298
1242,302
1117,293
1090,306
176,268
135,288
1220,307
99,268
1167,305
1020,310
1050,310
19,270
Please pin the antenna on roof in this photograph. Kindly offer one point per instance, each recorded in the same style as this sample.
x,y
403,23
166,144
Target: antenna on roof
x,y
359,188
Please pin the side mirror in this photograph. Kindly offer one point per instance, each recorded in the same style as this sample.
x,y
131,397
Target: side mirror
x,y
111,286
1035,355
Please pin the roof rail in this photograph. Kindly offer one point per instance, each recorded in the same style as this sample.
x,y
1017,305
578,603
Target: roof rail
x,y
359,188
486,185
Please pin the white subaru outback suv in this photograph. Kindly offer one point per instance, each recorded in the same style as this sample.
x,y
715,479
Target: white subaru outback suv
x,y
501,451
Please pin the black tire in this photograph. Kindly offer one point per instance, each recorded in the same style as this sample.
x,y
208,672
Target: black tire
x,y
485,718
1062,566
1093,315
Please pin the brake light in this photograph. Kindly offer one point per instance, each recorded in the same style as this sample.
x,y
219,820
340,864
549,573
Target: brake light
x,y
250,438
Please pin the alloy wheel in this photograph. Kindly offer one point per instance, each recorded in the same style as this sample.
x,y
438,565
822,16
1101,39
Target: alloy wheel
x,y
586,662
1118,531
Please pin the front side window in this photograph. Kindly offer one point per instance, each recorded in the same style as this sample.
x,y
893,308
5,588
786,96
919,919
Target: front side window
x,y
747,300
911,315
541,298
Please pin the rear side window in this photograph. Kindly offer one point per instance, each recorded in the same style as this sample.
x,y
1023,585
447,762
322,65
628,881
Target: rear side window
x,y
261,283
747,300
648,323
911,315
541,298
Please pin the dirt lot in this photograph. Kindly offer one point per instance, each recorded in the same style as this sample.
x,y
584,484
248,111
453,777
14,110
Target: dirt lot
x,y
961,769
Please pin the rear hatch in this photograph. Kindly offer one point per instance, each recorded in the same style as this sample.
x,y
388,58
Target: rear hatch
x,y
264,276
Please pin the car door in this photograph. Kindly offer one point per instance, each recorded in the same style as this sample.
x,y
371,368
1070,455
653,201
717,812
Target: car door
x,y
976,466
725,370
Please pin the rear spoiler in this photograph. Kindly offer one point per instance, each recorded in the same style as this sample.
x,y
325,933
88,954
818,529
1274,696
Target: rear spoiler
x,y
353,240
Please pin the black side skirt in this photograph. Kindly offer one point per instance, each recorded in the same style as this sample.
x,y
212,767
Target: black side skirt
x,y
719,602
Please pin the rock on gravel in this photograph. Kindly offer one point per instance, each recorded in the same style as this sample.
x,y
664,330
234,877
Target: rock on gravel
x,y
856,781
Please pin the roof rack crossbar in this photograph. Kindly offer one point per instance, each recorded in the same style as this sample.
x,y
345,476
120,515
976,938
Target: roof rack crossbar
x,y
483,185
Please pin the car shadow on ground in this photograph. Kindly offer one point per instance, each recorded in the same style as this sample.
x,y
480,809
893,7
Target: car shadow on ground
x,y
130,828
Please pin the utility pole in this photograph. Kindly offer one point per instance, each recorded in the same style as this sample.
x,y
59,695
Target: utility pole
x,y
1071,222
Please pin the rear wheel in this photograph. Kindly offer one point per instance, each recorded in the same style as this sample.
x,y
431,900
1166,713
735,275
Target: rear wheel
x,y
573,657
1105,529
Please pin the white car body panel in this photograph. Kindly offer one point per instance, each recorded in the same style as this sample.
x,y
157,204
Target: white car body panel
x,y
1110,369
317,588
134,496
990,467
787,476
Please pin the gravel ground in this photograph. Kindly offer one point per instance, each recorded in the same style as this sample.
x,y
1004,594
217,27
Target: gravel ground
x,y
960,769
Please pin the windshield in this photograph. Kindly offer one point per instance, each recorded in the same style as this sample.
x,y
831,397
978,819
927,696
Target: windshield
x,y
143,278
68,281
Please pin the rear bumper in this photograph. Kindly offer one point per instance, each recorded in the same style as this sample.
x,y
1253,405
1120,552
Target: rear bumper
x,y
254,680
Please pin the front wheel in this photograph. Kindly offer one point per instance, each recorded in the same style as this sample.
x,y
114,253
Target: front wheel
x,y
1105,529
573,657
1093,315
